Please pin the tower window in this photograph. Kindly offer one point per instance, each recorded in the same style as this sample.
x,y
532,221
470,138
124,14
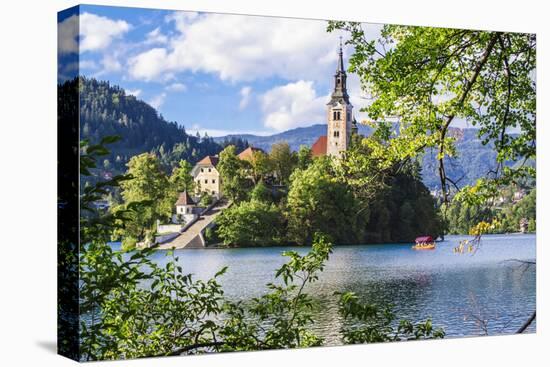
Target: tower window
x,y
337,134
336,115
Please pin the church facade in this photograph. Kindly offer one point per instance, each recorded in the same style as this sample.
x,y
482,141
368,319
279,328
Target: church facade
x,y
341,124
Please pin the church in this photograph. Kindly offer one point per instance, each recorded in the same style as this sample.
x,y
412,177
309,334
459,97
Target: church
x,y
341,124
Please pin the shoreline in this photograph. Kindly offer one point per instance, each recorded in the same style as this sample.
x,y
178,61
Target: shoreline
x,y
220,246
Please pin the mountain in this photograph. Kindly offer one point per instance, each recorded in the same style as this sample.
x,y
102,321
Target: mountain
x,y
474,159
294,137
107,110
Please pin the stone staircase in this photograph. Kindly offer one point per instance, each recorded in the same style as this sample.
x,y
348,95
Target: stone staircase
x,y
192,237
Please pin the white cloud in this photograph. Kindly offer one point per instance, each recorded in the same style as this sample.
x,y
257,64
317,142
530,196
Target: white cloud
x,y
147,65
293,105
245,97
133,92
242,49
88,64
181,19
156,37
157,101
97,32
176,87
110,63
67,35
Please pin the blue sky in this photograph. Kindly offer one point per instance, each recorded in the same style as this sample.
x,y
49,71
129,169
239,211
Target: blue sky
x,y
214,73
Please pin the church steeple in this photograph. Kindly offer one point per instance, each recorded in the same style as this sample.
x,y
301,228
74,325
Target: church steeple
x,y
340,92
339,112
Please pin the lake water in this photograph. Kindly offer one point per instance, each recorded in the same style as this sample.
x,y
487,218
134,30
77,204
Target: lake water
x,y
453,289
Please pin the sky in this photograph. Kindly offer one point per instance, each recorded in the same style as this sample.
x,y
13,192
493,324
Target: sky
x,y
214,73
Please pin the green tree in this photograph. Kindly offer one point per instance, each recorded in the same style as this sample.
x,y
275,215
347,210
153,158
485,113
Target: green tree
x,y
233,175
251,223
148,185
261,166
261,193
181,177
431,77
304,157
319,201
283,161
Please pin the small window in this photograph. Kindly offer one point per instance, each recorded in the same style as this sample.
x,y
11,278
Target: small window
x,y
213,181
202,169
337,134
210,170
205,181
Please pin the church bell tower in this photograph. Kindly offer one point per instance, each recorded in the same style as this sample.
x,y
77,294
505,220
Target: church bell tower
x,y
339,112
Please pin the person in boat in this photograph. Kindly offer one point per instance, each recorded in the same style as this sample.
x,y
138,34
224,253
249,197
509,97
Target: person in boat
x,y
424,243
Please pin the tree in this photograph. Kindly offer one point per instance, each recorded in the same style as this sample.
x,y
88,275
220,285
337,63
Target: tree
x,y
251,223
304,157
261,166
430,77
319,201
283,161
148,186
261,193
233,176
181,177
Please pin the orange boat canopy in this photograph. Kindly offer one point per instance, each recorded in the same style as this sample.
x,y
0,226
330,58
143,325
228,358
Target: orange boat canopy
x,y
424,239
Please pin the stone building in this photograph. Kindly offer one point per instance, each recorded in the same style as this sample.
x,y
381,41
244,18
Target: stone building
x,y
186,208
206,176
340,121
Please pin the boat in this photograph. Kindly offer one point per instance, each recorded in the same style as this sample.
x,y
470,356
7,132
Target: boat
x,y
424,243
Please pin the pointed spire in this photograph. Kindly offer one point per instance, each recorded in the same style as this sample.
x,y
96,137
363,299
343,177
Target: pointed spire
x,y
340,93
340,67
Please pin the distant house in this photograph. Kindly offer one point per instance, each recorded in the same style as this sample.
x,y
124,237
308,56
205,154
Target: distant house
x,y
206,176
248,153
186,208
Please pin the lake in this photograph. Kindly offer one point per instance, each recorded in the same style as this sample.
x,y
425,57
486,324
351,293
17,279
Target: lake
x,y
453,289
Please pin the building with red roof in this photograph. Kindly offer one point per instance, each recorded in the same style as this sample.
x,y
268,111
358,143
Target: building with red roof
x,y
206,176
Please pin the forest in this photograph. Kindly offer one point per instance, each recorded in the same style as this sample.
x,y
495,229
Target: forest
x,y
106,110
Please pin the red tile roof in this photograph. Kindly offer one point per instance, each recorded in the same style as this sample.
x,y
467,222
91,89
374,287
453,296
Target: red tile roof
x,y
209,160
319,148
184,199
247,154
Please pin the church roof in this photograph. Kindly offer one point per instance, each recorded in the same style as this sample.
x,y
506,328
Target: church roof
x,y
248,153
209,160
319,148
184,199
